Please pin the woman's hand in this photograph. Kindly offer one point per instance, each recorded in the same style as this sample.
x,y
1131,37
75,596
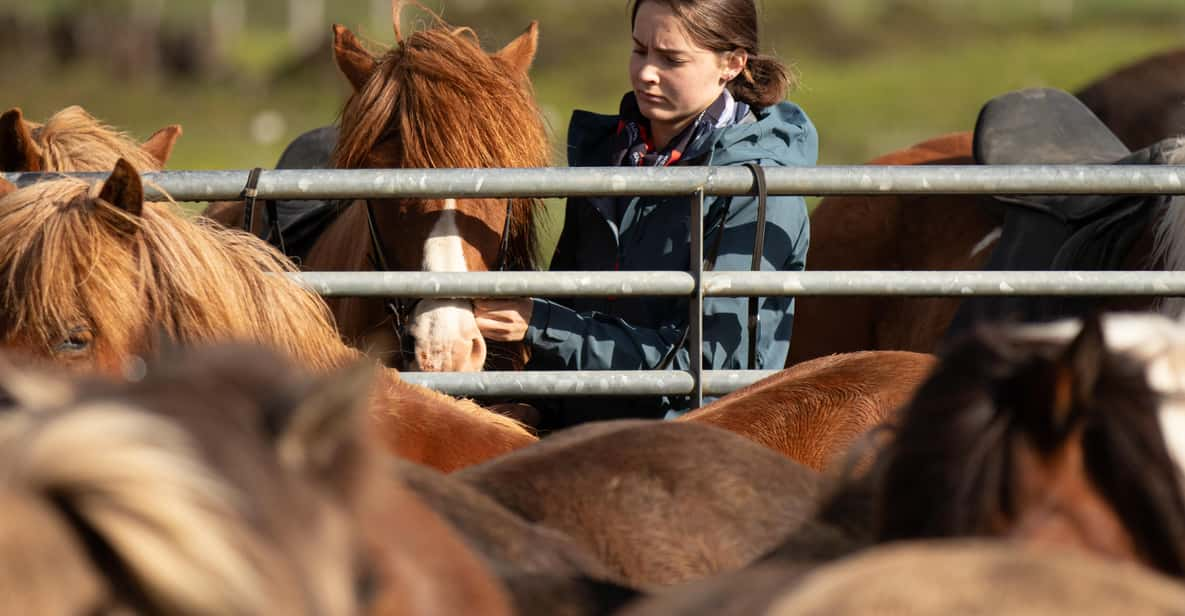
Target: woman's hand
x,y
503,319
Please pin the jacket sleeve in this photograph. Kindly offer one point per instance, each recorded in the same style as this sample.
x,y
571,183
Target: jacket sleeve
x,y
563,339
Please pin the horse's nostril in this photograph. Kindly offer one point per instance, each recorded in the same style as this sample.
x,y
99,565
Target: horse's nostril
x,y
477,354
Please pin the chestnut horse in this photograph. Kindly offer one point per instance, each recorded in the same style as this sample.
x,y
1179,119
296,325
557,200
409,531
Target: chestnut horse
x,y
436,100
956,232
94,275
224,480
73,140
815,411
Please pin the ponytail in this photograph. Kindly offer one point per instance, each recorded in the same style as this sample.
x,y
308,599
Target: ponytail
x,y
764,82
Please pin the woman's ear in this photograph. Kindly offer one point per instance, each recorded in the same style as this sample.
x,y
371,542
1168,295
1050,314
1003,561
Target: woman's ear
x,y
734,63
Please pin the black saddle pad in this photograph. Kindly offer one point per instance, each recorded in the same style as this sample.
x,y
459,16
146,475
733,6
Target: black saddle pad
x,y
1058,232
302,221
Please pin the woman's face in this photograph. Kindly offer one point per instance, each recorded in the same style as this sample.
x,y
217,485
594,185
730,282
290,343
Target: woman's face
x,y
673,78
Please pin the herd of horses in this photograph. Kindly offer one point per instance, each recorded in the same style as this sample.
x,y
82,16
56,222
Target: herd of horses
x,y
184,429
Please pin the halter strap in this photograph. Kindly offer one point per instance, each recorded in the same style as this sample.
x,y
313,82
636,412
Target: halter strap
x,y
710,264
249,195
758,254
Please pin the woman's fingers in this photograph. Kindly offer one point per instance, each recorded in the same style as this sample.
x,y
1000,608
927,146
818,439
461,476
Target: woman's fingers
x,y
504,320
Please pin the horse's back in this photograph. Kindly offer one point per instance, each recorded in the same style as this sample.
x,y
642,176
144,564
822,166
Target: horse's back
x,y
659,502
891,232
814,411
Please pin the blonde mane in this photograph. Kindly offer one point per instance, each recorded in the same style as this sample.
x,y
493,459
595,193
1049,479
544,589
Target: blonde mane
x,y
71,260
114,468
74,140
442,102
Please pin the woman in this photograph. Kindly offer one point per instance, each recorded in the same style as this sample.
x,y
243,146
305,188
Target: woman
x,y
702,95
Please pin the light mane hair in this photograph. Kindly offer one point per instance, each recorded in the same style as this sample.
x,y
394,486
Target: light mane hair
x,y
74,140
442,102
136,481
1168,247
70,259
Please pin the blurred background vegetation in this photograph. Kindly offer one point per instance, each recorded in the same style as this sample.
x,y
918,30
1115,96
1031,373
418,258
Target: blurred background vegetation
x,y
245,77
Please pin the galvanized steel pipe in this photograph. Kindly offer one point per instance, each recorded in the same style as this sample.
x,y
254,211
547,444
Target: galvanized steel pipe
x,y
565,181
741,284
588,383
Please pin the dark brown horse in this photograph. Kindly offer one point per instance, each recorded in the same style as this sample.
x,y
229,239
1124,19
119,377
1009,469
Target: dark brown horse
x,y
222,481
814,411
1142,102
657,502
1018,435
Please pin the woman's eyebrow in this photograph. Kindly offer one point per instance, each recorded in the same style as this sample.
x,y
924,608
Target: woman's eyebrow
x,y
666,50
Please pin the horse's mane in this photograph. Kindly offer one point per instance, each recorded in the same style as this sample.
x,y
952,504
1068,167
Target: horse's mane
x,y
108,469
1168,247
444,103
71,260
74,140
949,465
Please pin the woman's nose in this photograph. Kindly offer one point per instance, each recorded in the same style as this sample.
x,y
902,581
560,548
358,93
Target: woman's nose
x,y
647,73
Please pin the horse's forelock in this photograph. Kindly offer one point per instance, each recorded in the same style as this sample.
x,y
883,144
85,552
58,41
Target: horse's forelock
x,y
438,101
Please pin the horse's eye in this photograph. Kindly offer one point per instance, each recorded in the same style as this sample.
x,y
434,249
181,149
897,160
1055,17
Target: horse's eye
x,y
77,340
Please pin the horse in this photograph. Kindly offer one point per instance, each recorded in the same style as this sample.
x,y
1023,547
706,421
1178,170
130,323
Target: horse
x,y
224,480
544,570
93,276
963,232
933,578
436,100
657,502
1057,437
1141,102
73,140
813,412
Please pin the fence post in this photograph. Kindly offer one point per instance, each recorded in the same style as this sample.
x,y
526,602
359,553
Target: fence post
x,y
695,317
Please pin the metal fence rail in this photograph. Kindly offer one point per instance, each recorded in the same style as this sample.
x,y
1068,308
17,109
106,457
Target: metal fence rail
x,y
696,182
742,284
559,182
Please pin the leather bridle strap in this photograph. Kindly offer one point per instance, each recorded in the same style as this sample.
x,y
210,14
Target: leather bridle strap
x,y
758,254
400,309
249,195
710,264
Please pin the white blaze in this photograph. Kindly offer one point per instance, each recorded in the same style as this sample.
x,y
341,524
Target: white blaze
x,y
446,333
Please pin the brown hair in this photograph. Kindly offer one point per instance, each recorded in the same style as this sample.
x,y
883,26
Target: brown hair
x,y
729,25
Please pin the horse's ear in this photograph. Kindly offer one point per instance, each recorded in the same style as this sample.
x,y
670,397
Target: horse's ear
x,y
6,187
1077,372
123,189
160,144
352,59
520,53
18,151
326,422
